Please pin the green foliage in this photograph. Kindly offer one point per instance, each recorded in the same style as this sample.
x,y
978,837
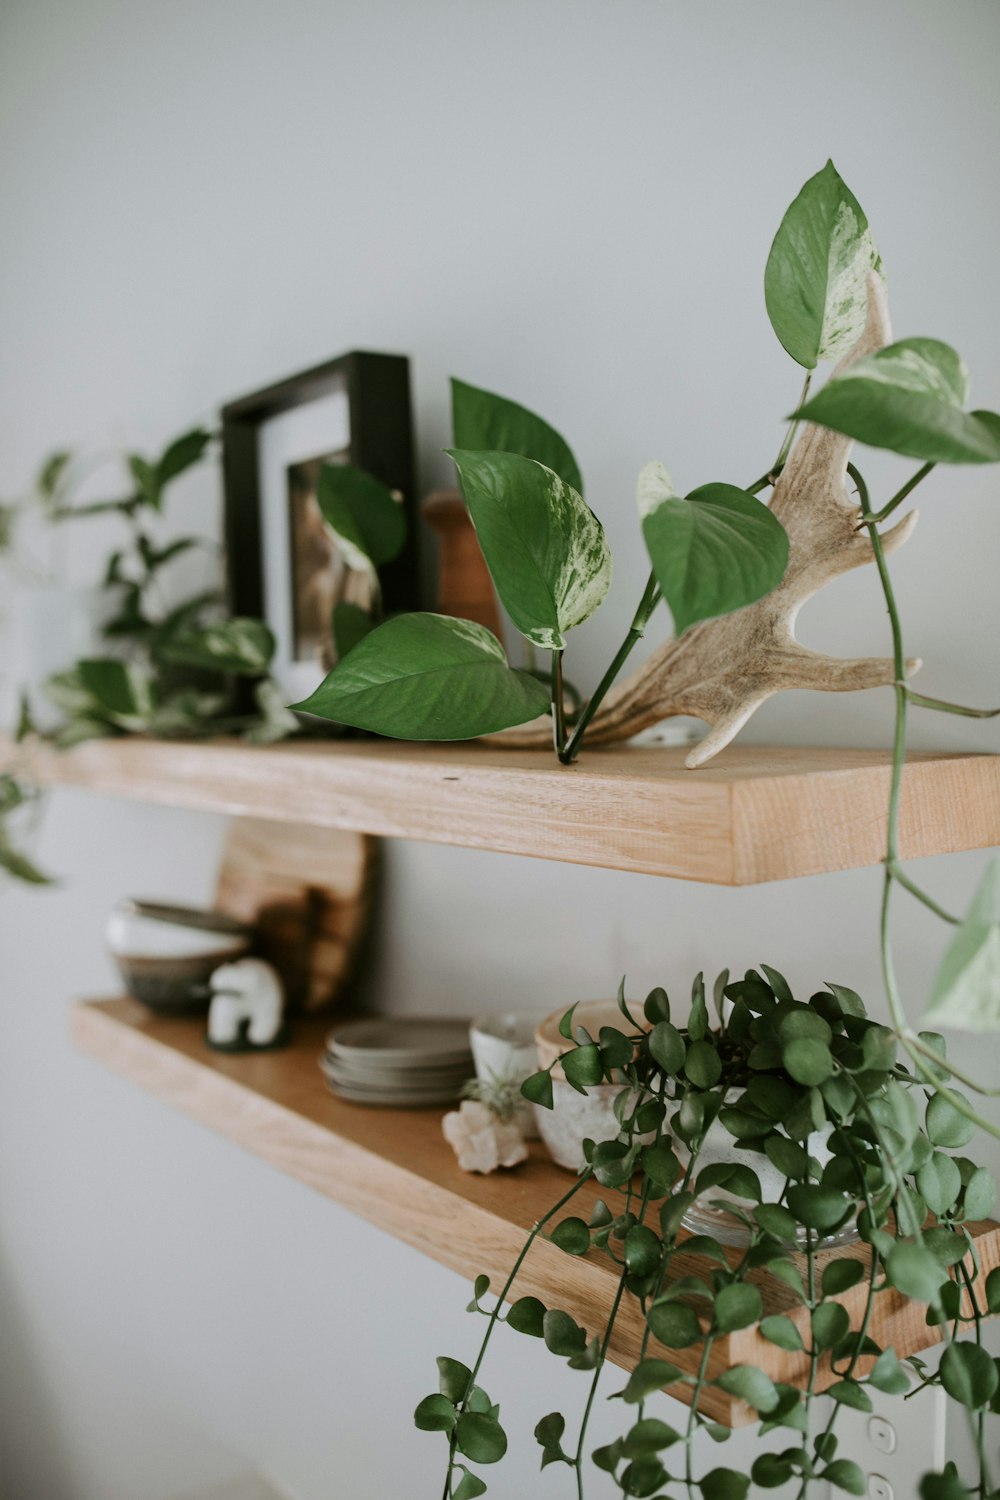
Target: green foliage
x,y
544,547
427,677
888,1136
815,279
366,520
713,552
483,422
909,398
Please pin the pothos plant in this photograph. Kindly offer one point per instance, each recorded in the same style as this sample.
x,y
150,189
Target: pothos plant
x,y
888,1097
170,662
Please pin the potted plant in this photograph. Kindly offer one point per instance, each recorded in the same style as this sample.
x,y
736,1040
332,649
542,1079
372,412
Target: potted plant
x,y
778,1075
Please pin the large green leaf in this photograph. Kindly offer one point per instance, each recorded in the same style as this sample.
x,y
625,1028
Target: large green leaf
x,y
366,520
815,283
427,677
714,551
483,421
242,645
543,545
909,398
117,688
966,991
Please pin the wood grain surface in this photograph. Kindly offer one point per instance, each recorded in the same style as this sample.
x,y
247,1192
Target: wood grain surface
x,y
756,813
393,1168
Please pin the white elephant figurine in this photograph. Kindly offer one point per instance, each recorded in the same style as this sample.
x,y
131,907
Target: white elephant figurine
x,y
247,1006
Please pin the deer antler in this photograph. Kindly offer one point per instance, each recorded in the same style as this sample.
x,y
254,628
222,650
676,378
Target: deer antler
x,y
724,669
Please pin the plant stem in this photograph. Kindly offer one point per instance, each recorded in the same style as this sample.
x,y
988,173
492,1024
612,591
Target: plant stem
x,y
494,1315
558,704
920,701
650,599
899,874
786,446
693,1413
900,495
900,1024
985,1481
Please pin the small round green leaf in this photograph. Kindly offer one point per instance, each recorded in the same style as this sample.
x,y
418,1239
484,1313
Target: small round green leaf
x,y
480,1438
666,1048
751,1385
573,1236
583,1066
914,1271
643,1249
454,1378
435,1414
779,1329
703,1065
817,1207
674,1324
939,1183
841,1275
737,1306
725,1484
969,1375
946,1125
845,1474
808,1060
830,1322
538,1088
527,1315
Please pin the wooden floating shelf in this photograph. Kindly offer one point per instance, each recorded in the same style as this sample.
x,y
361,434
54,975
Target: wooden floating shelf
x,y
754,814
393,1168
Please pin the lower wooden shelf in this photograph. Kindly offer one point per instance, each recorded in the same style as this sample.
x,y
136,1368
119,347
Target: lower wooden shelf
x,y
393,1168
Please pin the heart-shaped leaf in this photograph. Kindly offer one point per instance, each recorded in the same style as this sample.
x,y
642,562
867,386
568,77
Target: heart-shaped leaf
x,y
544,547
483,422
712,552
366,519
908,398
427,677
815,282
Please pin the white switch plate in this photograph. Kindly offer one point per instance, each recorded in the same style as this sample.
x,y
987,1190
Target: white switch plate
x,y
919,1427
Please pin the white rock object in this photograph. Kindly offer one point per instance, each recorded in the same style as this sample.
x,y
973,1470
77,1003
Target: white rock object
x,y
480,1140
248,992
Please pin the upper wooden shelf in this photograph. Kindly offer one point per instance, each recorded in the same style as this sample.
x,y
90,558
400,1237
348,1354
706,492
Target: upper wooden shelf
x,y
393,1168
756,813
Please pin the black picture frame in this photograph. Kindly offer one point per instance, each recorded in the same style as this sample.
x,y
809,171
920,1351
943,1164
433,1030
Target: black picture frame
x,y
380,441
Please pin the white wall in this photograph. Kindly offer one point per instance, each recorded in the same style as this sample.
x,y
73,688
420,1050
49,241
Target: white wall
x,y
567,201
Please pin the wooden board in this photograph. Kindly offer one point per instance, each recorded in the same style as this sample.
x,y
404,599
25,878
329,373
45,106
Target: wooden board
x,y
393,1168
754,814
308,891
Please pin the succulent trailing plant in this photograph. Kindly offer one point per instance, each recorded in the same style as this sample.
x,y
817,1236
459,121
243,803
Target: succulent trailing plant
x,y
778,1075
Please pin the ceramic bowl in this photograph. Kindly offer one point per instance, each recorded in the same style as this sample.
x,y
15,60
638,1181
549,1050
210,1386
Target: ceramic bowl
x,y
166,954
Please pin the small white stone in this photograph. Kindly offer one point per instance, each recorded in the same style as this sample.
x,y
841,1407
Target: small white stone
x,y
481,1141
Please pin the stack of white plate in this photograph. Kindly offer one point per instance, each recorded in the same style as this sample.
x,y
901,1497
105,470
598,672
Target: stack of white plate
x,y
405,1061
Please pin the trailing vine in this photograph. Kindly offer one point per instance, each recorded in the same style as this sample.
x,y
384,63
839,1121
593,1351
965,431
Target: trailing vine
x,y
833,1135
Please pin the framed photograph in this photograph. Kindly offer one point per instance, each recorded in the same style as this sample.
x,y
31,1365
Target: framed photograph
x,y
283,564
